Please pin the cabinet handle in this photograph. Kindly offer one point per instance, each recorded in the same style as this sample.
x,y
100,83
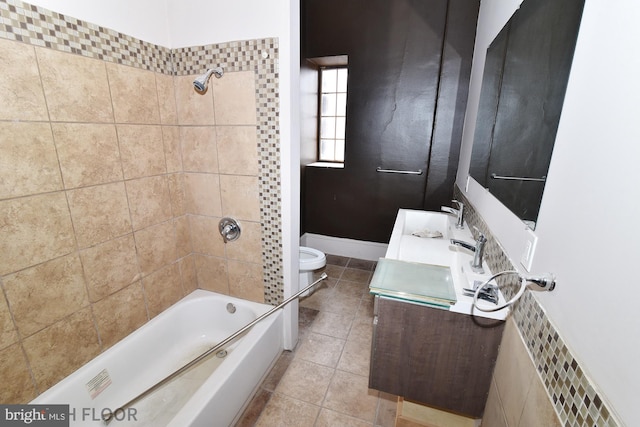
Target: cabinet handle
x,y
518,178
418,172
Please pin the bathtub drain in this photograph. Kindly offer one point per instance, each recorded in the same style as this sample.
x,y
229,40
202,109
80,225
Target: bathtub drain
x,y
221,354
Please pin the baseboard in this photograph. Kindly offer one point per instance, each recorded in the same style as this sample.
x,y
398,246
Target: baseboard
x,y
344,247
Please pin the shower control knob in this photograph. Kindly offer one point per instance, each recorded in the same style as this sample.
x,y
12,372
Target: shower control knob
x,y
229,229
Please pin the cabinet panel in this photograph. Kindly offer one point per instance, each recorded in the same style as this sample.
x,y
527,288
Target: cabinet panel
x,y
409,64
433,356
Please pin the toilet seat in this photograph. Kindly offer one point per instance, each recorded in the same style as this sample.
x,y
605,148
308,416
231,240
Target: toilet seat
x,y
311,259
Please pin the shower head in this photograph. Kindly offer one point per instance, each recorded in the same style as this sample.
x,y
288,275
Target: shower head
x,y
200,83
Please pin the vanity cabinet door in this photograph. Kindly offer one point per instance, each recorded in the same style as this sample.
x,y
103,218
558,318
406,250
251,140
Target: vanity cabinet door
x,y
434,357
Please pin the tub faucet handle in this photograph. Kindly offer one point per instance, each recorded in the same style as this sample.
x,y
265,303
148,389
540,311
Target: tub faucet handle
x,y
229,229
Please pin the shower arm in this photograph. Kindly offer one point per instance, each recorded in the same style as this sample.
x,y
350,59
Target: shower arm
x,y
108,417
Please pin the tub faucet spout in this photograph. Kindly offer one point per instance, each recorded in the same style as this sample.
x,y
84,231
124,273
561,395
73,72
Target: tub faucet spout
x,y
477,248
459,213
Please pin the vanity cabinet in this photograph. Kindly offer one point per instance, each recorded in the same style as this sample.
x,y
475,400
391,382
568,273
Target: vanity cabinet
x,y
433,356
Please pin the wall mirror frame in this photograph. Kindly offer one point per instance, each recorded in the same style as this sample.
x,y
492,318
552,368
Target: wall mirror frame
x,y
523,86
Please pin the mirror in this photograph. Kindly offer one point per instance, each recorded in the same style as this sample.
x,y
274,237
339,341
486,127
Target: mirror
x,y
523,86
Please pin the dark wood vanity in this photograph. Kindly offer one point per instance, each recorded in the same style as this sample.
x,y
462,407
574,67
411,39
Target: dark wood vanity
x,y
433,356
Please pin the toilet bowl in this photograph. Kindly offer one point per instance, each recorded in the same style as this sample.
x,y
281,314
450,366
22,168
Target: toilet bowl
x,y
310,260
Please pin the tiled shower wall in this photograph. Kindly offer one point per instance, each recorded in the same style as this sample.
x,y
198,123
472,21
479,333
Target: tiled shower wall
x,y
114,173
536,381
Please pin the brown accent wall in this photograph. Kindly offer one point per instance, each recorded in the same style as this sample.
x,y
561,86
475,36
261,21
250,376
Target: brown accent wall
x,y
409,65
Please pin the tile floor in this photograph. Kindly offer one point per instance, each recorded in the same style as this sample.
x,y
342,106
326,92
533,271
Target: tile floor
x,y
324,380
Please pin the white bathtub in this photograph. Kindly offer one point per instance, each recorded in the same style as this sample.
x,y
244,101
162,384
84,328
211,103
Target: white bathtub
x,y
212,393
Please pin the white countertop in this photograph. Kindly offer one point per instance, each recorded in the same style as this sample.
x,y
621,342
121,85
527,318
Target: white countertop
x,y
403,246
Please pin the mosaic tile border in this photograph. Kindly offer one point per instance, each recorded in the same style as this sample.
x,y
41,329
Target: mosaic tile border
x,y
37,26
576,401
261,57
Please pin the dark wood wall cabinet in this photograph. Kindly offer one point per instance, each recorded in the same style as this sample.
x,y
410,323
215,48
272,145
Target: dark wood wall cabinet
x,y
409,67
433,356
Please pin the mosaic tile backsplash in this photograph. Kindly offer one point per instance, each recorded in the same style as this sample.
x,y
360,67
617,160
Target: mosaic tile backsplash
x,y
576,401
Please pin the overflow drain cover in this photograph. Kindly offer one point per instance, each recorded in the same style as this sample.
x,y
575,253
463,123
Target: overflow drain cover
x,y
221,354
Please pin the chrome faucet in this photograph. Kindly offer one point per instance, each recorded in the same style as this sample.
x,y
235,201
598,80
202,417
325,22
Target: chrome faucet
x,y
477,249
458,212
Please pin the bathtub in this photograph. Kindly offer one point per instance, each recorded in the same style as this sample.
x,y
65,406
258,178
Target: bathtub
x,y
212,393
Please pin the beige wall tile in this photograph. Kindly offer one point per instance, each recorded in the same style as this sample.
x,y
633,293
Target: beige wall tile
x,y
20,87
99,213
538,408
8,333
162,288
202,192
249,246
234,98
120,314
245,280
76,88
167,99
27,237
141,150
45,294
493,413
60,349
178,194
156,247
28,162
17,385
110,266
205,236
134,94
238,147
240,197
193,108
149,201
183,237
199,153
172,150
88,153
212,273
513,373
188,274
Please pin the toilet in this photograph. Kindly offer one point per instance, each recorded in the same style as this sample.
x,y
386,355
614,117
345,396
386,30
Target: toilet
x,y
310,260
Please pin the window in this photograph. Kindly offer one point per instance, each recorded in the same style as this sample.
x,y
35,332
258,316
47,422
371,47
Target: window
x,y
333,112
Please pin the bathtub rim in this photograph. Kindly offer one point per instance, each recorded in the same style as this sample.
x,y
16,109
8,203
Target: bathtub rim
x,y
74,379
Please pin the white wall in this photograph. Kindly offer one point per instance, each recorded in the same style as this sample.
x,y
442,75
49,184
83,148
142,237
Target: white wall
x,y
199,22
143,19
587,229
